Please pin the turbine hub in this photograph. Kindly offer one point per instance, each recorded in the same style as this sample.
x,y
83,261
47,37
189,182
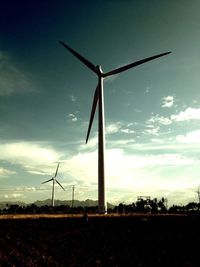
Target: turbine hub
x,y
99,70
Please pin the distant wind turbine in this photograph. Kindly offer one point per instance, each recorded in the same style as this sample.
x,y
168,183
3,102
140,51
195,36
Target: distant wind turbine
x,y
54,180
98,96
198,193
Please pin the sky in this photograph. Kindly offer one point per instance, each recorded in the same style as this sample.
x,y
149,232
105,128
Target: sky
x,y
152,111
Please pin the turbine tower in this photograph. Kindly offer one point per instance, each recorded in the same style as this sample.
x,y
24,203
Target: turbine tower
x,y
73,189
98,96
54,181
198,193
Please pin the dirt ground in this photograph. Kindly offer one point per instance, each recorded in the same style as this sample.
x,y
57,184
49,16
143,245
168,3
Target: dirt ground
x,y
57,240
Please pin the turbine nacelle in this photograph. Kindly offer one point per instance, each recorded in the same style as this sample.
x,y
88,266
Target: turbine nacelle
x,y
99,71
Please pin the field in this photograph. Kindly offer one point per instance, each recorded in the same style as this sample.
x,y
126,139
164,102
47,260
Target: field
x,y
141,240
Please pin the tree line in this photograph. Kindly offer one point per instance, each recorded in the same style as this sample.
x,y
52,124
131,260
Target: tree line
x,y
143,205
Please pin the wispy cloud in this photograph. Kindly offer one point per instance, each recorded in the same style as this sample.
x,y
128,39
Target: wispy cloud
x,y
113,128
152,130
119,127
72,98
72,117
37,172
13,80
14,195
5,172
92,143
147,89
160,120
127,131
168,102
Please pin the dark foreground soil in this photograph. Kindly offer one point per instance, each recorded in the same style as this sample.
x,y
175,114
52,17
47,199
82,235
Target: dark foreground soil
x,y
102,241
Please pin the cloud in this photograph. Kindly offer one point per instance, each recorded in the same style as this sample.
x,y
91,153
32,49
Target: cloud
x,y
36,172
113,128
5,172
92,143
13,80
127,170
168,102
83,166
157,141
190,138
188,114
122,143
160,120
127,131
147,89
72,98
119,127
17,195
14,195
29,155
72,117
153,131
137,171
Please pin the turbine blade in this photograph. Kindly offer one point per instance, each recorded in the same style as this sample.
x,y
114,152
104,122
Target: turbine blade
x,y
47,181
134,64
59,184
95,100
81,58
57,169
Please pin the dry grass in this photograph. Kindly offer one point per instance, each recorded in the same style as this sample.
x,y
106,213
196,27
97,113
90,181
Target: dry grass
x,y
114,215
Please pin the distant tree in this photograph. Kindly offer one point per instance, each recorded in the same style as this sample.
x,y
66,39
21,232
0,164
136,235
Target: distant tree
x,y
93,209
31,209
192,206
14,208
121,208
176,209
62,209
130,208
77,210
154,205
143,205
110,210
44,209
162,204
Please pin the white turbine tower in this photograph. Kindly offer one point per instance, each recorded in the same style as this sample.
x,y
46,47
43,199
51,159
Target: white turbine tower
x,y
198,193
98,96
54,181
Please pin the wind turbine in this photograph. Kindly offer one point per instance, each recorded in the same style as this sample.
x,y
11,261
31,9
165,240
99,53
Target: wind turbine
x,y
99,96
54,181
198,193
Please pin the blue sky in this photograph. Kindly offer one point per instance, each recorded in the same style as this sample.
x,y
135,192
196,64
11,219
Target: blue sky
x,y
152,111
